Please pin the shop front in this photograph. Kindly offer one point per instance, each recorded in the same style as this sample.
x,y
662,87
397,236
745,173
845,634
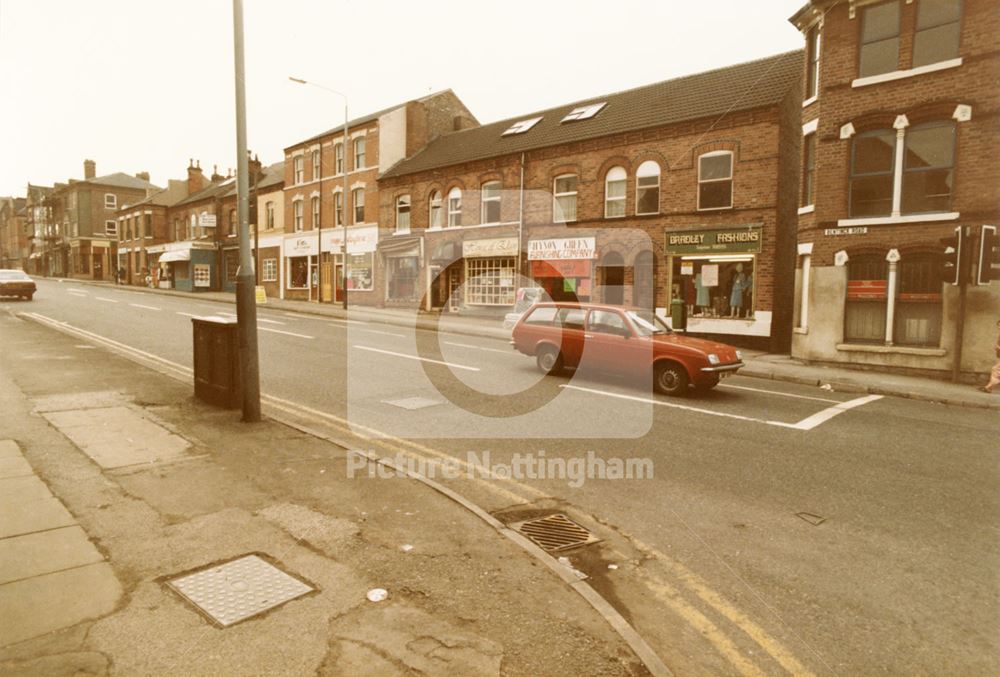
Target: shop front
x,y
185,266
401,262
491,275
446,274
715,274
563,267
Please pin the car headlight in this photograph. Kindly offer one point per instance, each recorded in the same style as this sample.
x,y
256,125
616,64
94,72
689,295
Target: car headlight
x,y
739,355
713,358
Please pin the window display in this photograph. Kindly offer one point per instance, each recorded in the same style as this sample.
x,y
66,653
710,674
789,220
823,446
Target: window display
x,y
360,275
716,287
490,281
298,272
404,272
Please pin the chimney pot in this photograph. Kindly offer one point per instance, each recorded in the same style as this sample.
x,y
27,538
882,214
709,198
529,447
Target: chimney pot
x,y
89,169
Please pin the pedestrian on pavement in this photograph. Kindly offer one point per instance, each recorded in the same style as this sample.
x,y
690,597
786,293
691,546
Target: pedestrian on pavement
x,y
995,371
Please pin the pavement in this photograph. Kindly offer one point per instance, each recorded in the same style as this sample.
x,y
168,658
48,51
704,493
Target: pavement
x,y
759,364
114,482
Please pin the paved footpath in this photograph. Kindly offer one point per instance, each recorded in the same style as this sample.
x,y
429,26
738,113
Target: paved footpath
x,y
114,482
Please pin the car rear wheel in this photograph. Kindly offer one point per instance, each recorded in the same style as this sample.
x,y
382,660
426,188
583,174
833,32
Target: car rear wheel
x,y
670,378
549,360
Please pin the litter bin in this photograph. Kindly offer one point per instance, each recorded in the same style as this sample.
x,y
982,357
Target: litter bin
x,y
217,361
678,315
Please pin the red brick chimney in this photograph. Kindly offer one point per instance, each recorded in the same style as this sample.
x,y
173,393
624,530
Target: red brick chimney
x,y
216,176
142,175
89,169
196,180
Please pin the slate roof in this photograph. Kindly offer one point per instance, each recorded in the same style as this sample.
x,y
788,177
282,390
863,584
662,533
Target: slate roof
x,y
123,180
704,95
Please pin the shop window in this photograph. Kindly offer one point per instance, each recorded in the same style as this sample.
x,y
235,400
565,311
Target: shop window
x,y
300,172
269,270
614,193
490,198
404,274
434,215
938,31
360,272
715,180
454,207
808,170
928,168
812,62
715,287
872,163
315,165
297,215
865,307
338,158
644,281
358,201
917,317
564,198
490,281
359,153
647,188
338,208
403,214
879,52
298,272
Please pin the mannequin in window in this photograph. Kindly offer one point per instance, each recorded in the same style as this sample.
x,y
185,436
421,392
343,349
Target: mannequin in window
x,y
739,284
690,294
702,295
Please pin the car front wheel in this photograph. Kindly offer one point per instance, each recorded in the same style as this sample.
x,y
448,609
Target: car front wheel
x,y
670,378
549,360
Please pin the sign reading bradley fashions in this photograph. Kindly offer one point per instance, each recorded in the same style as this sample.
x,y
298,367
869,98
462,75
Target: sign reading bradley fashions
x,y
501,246
739,239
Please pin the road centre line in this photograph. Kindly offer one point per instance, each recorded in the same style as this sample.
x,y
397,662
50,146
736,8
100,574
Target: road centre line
x,y
75,290
377,331
261,319
469,345
103,298
139,305
415,357
821,417
187,314
286,333
775,392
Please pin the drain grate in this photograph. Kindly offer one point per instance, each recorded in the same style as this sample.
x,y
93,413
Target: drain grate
x,y
556,532
234,591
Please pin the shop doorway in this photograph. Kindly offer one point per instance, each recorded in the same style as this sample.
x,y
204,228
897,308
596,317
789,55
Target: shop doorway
x,y
98,266
454,288
326,288
338,283
613,278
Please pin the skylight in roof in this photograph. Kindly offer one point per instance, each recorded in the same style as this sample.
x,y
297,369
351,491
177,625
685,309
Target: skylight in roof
x,y
522,126
584,112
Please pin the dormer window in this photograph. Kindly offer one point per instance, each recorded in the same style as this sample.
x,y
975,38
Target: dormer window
x,y
584,112
522,126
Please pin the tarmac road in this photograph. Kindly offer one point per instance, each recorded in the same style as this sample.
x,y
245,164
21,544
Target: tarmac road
x,y
785,529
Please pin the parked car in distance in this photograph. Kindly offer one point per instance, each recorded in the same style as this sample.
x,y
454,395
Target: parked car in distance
x,y
16,283
526,297
620,340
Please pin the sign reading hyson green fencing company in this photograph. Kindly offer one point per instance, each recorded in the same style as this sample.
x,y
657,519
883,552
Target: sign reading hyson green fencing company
x,y
735,240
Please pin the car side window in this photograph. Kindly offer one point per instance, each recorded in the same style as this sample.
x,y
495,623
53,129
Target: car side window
x,y
571,318
541,316
607,322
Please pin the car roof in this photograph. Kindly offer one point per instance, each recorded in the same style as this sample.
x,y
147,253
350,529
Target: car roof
x,y
583,306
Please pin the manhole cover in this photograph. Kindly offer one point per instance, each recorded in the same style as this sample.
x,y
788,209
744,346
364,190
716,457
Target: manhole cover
x,y
555,532
237,590
412,403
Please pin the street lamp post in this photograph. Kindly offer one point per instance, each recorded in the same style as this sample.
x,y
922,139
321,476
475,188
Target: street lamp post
x,y
343,201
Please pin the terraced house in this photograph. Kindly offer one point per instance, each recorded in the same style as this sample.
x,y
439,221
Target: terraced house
x,y
681,191
900,138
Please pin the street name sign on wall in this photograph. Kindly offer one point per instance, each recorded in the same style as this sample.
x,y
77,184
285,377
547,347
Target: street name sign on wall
x,y
738,239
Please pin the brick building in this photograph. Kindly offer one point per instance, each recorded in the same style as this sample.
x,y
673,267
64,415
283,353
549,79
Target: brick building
x,y
46,257
145,226
900,127
316,208
269,227
15,237
684,189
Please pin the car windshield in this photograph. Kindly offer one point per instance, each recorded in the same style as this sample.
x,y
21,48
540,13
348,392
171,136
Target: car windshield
x,y
647,322
12,275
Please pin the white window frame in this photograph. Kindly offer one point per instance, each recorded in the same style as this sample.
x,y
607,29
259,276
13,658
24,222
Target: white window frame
x,y
338,208
652,169
435,211
338,158
614,175
521,126
297,215
455,207
299,169
110,201
730,179
317,165
111,227
358,203
483,206
814,40
269,270
557,210
403,202
314,209
359,157
584,112
809,131
269,215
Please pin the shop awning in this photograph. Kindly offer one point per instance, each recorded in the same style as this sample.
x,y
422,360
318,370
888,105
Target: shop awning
x,y
399,244
182,255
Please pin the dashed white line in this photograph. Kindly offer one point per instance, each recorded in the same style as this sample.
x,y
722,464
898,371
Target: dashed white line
x,y
469,345
775,392
418,358
286,333
107,300
187,314
376,331
139,305
261,319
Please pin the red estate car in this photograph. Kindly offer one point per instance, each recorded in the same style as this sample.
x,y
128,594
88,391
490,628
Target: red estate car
x,y
622,340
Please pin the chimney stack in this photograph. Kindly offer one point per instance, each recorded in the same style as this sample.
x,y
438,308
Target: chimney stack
x,y
216,176
196,180
142,175
89,169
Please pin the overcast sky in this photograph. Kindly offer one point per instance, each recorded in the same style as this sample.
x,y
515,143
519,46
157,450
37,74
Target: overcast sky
x,y
145,85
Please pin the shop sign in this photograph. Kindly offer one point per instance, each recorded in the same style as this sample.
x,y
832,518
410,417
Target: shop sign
x,y
856,230
359,240
501,246
567,248
300,246
206,220
571,268
740,239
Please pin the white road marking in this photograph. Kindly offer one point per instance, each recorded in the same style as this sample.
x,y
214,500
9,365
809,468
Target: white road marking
x,y
261,319
418,358
321,318
75,290
775,392
469,345
828,413
139,305
338,319
102,298
377,331
187,314
286,333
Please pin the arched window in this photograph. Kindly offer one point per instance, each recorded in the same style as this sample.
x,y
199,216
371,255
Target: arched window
x,y
918,303
403,214
614,192
490,198
454,207
647,188
434,217
715,180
